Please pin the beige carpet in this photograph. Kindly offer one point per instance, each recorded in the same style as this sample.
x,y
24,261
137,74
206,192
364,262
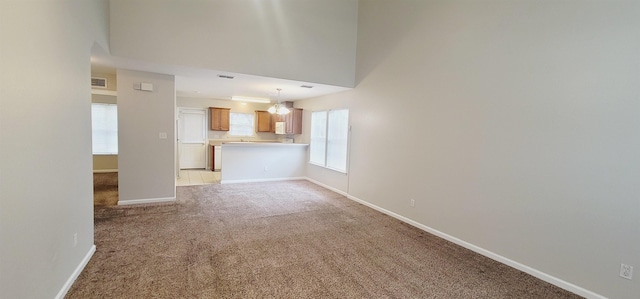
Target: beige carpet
x,y
105,189
283,240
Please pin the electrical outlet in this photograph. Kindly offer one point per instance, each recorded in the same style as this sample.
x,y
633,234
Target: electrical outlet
x,y
75,239
412,202
626,271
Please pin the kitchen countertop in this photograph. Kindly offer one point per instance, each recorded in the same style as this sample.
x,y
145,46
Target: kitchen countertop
x,y
252,143
219,142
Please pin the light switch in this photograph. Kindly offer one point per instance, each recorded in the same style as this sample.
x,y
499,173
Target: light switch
x,y
146,86
163,135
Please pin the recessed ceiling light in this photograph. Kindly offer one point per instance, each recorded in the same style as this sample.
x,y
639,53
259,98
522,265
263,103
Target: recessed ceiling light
x,y
225,76
306,86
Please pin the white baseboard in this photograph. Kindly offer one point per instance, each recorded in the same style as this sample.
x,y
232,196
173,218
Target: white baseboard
x,y
67,285
104,170
261,180
345,194
524,268
145,201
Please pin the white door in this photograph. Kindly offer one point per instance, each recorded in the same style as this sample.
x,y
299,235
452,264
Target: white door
x,y
192,138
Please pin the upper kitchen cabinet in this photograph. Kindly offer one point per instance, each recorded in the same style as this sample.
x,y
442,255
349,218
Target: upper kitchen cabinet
x,y
292,121
264,122
219,119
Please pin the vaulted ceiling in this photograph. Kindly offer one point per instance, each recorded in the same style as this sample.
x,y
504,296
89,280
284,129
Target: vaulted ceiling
x,y
263,45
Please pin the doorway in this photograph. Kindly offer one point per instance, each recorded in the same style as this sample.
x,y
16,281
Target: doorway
x,y
192,138
104,133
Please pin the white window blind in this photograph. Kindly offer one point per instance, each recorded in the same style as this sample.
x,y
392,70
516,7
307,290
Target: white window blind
x,y
337,133
318,137
241,124
329,139
104,128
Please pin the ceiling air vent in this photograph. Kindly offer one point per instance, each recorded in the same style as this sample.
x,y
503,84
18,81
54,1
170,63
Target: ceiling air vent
x,y
97,82
225,76
306,86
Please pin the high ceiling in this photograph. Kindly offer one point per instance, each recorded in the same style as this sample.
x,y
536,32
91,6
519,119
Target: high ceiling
x,y
205,83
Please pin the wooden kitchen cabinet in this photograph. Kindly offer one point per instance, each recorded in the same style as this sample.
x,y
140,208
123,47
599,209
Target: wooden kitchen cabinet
x,y
292,121
213,158
264,122
219,119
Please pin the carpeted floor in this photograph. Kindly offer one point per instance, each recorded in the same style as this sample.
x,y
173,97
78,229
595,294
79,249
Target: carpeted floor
x,y
283,240
105,189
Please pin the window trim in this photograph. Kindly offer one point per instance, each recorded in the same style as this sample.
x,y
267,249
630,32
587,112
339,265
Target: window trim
x,y
326,141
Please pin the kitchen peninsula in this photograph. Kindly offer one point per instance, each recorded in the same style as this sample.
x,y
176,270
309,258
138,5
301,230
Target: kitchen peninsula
x,y
262,161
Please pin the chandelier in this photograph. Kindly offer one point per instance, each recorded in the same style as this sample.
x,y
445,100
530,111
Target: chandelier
x,y
278,108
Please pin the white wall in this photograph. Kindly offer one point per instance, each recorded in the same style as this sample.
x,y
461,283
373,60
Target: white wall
x,y
303,40
46,191
514,126
251,162
146,163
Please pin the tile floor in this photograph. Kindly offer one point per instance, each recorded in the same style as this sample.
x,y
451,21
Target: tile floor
x,y
190,177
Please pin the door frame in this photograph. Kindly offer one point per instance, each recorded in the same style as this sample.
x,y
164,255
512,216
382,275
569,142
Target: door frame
x,y
180,111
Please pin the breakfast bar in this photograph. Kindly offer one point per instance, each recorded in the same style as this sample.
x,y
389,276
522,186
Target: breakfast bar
x,y
262,161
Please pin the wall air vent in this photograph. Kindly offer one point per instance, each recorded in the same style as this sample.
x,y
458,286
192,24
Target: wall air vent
x,y
97,82
306,86
225,76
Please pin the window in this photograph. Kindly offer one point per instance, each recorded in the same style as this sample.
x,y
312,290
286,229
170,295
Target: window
x,y
241,124
337,134
329,139
104,128
318,145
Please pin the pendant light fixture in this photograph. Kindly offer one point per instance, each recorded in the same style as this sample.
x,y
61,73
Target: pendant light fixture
x,y
278,108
